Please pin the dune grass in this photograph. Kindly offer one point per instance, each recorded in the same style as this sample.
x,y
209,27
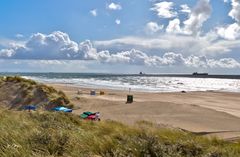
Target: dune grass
x,y
43,133
18,92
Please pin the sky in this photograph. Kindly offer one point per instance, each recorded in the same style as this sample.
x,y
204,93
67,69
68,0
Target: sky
x,y
120,36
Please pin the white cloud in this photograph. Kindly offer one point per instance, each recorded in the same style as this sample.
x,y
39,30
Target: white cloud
x,y
93,12
4,42
19,36
185,8
230,32
235,12
164,9
195,61
153,27
224,63
114,6
56,45
197,16
200,13
136,57
57,48
118,22
7,53
174,26
200,45
86,51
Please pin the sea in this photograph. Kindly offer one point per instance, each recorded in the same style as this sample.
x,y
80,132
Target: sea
x,y
139,82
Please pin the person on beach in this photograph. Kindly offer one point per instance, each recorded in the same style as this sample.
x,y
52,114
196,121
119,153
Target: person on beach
x,y
97,116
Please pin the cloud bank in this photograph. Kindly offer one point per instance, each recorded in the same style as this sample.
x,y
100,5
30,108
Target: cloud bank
x,y
59,46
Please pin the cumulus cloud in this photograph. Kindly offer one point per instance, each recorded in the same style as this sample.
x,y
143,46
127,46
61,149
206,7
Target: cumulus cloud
x,y
196,18
174,26
6,53
153,27
164,9
194,61
93,12
224,63
114,6
137,57
235,12
231,31
200,13
57,47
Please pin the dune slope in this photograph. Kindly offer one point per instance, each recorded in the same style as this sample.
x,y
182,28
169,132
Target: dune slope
x,y
16,92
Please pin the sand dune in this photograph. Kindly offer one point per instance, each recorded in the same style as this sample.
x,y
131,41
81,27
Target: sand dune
x,y
213,113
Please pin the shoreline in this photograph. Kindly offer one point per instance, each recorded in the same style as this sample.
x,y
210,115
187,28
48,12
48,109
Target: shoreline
x,y
213,113
125,89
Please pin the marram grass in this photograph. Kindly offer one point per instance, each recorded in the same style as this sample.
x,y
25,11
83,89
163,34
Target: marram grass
x,y
42,133
18,92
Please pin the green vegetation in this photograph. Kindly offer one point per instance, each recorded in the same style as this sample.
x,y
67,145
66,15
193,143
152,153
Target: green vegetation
x,y
16,92
43,133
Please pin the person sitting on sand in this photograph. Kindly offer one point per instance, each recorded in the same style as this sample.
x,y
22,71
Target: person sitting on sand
x,y
97,116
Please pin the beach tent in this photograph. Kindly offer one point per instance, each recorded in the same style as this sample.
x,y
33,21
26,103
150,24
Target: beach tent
x,y
30,107
90,115
84,115
63,109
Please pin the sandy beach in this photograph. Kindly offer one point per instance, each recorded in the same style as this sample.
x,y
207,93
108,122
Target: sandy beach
x,y
211,113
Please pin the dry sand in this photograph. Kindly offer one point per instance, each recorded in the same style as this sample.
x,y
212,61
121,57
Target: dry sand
x,y
210,113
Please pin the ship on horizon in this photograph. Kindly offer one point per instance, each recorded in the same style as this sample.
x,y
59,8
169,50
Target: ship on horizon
x,y
199,74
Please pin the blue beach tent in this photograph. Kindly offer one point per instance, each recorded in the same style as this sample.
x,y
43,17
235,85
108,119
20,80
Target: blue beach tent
x,y
30,107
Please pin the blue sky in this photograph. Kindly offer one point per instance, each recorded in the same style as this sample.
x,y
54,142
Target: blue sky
x,y
120,36
73,17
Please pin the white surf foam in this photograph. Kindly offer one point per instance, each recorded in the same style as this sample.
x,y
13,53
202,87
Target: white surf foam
x,y
149,84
